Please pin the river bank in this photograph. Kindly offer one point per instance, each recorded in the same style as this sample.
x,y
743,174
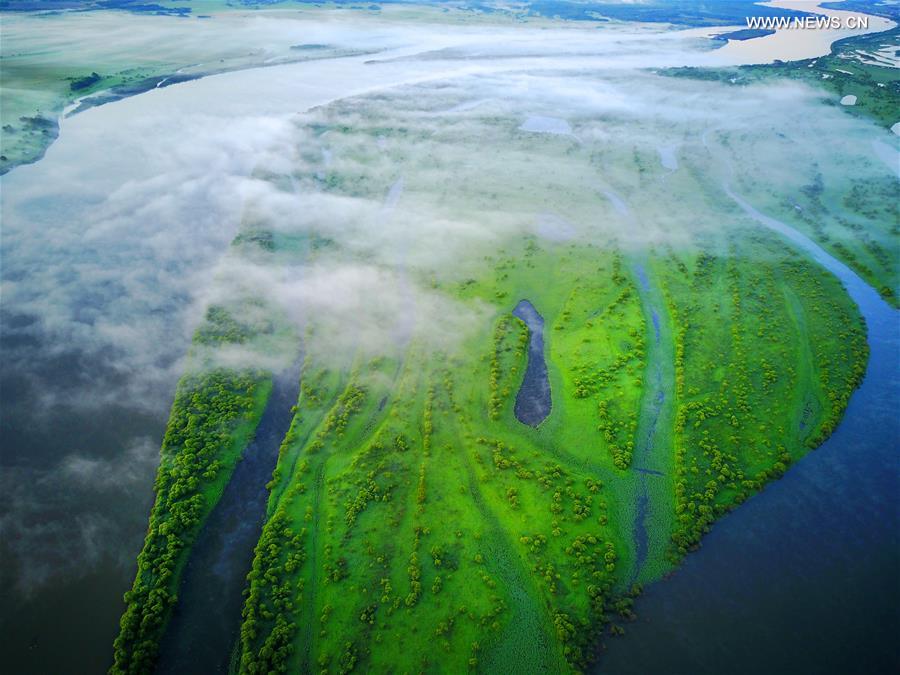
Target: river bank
x,y
120,244
35,109
789,44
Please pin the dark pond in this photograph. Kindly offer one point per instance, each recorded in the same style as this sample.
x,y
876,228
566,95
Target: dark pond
x,y
533,399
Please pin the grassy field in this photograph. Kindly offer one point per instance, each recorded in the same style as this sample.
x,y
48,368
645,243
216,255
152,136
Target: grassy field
x,y
417,526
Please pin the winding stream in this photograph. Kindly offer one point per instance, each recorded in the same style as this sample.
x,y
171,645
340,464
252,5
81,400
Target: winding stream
x,y
533,401
206,621
807,567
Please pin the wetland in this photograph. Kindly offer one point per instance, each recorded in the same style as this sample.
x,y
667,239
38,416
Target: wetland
x,y
598,346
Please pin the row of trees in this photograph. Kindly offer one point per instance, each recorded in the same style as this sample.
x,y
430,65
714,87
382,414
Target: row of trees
x,y
198,446
281,581
268,628
503,366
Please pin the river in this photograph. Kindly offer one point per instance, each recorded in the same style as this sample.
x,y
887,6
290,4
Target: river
x,y
109,242
797,44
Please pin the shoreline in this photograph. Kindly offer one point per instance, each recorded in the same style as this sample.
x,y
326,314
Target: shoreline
x,y
278,101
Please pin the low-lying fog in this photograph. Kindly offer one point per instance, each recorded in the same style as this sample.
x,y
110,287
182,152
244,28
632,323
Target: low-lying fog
x,y
416,163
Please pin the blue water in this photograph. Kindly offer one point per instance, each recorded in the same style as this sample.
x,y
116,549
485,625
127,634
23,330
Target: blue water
x,y
533,401
805,576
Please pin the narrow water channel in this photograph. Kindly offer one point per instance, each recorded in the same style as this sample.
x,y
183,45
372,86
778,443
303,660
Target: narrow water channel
x,y
802,578
533,402
653,451
206,621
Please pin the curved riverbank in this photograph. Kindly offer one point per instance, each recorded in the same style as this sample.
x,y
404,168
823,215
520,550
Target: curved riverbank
x,y
751,599
792,44
38,129
122,253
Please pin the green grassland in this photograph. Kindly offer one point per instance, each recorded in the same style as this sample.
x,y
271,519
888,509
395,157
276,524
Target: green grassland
x,y
417,526
762,382
489,519
414,524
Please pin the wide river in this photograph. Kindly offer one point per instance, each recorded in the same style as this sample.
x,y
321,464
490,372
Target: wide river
x,y
111,239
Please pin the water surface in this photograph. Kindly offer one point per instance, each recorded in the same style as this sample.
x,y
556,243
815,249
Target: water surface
x,y
533,398
797,44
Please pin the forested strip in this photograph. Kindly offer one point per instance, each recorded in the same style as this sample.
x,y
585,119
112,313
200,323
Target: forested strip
x,y
736,378
276,580
213,418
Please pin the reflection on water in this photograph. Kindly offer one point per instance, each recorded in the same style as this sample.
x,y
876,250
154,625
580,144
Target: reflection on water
x,y
106,255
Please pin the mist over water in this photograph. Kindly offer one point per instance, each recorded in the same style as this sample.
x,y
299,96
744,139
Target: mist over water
x,y
115,243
